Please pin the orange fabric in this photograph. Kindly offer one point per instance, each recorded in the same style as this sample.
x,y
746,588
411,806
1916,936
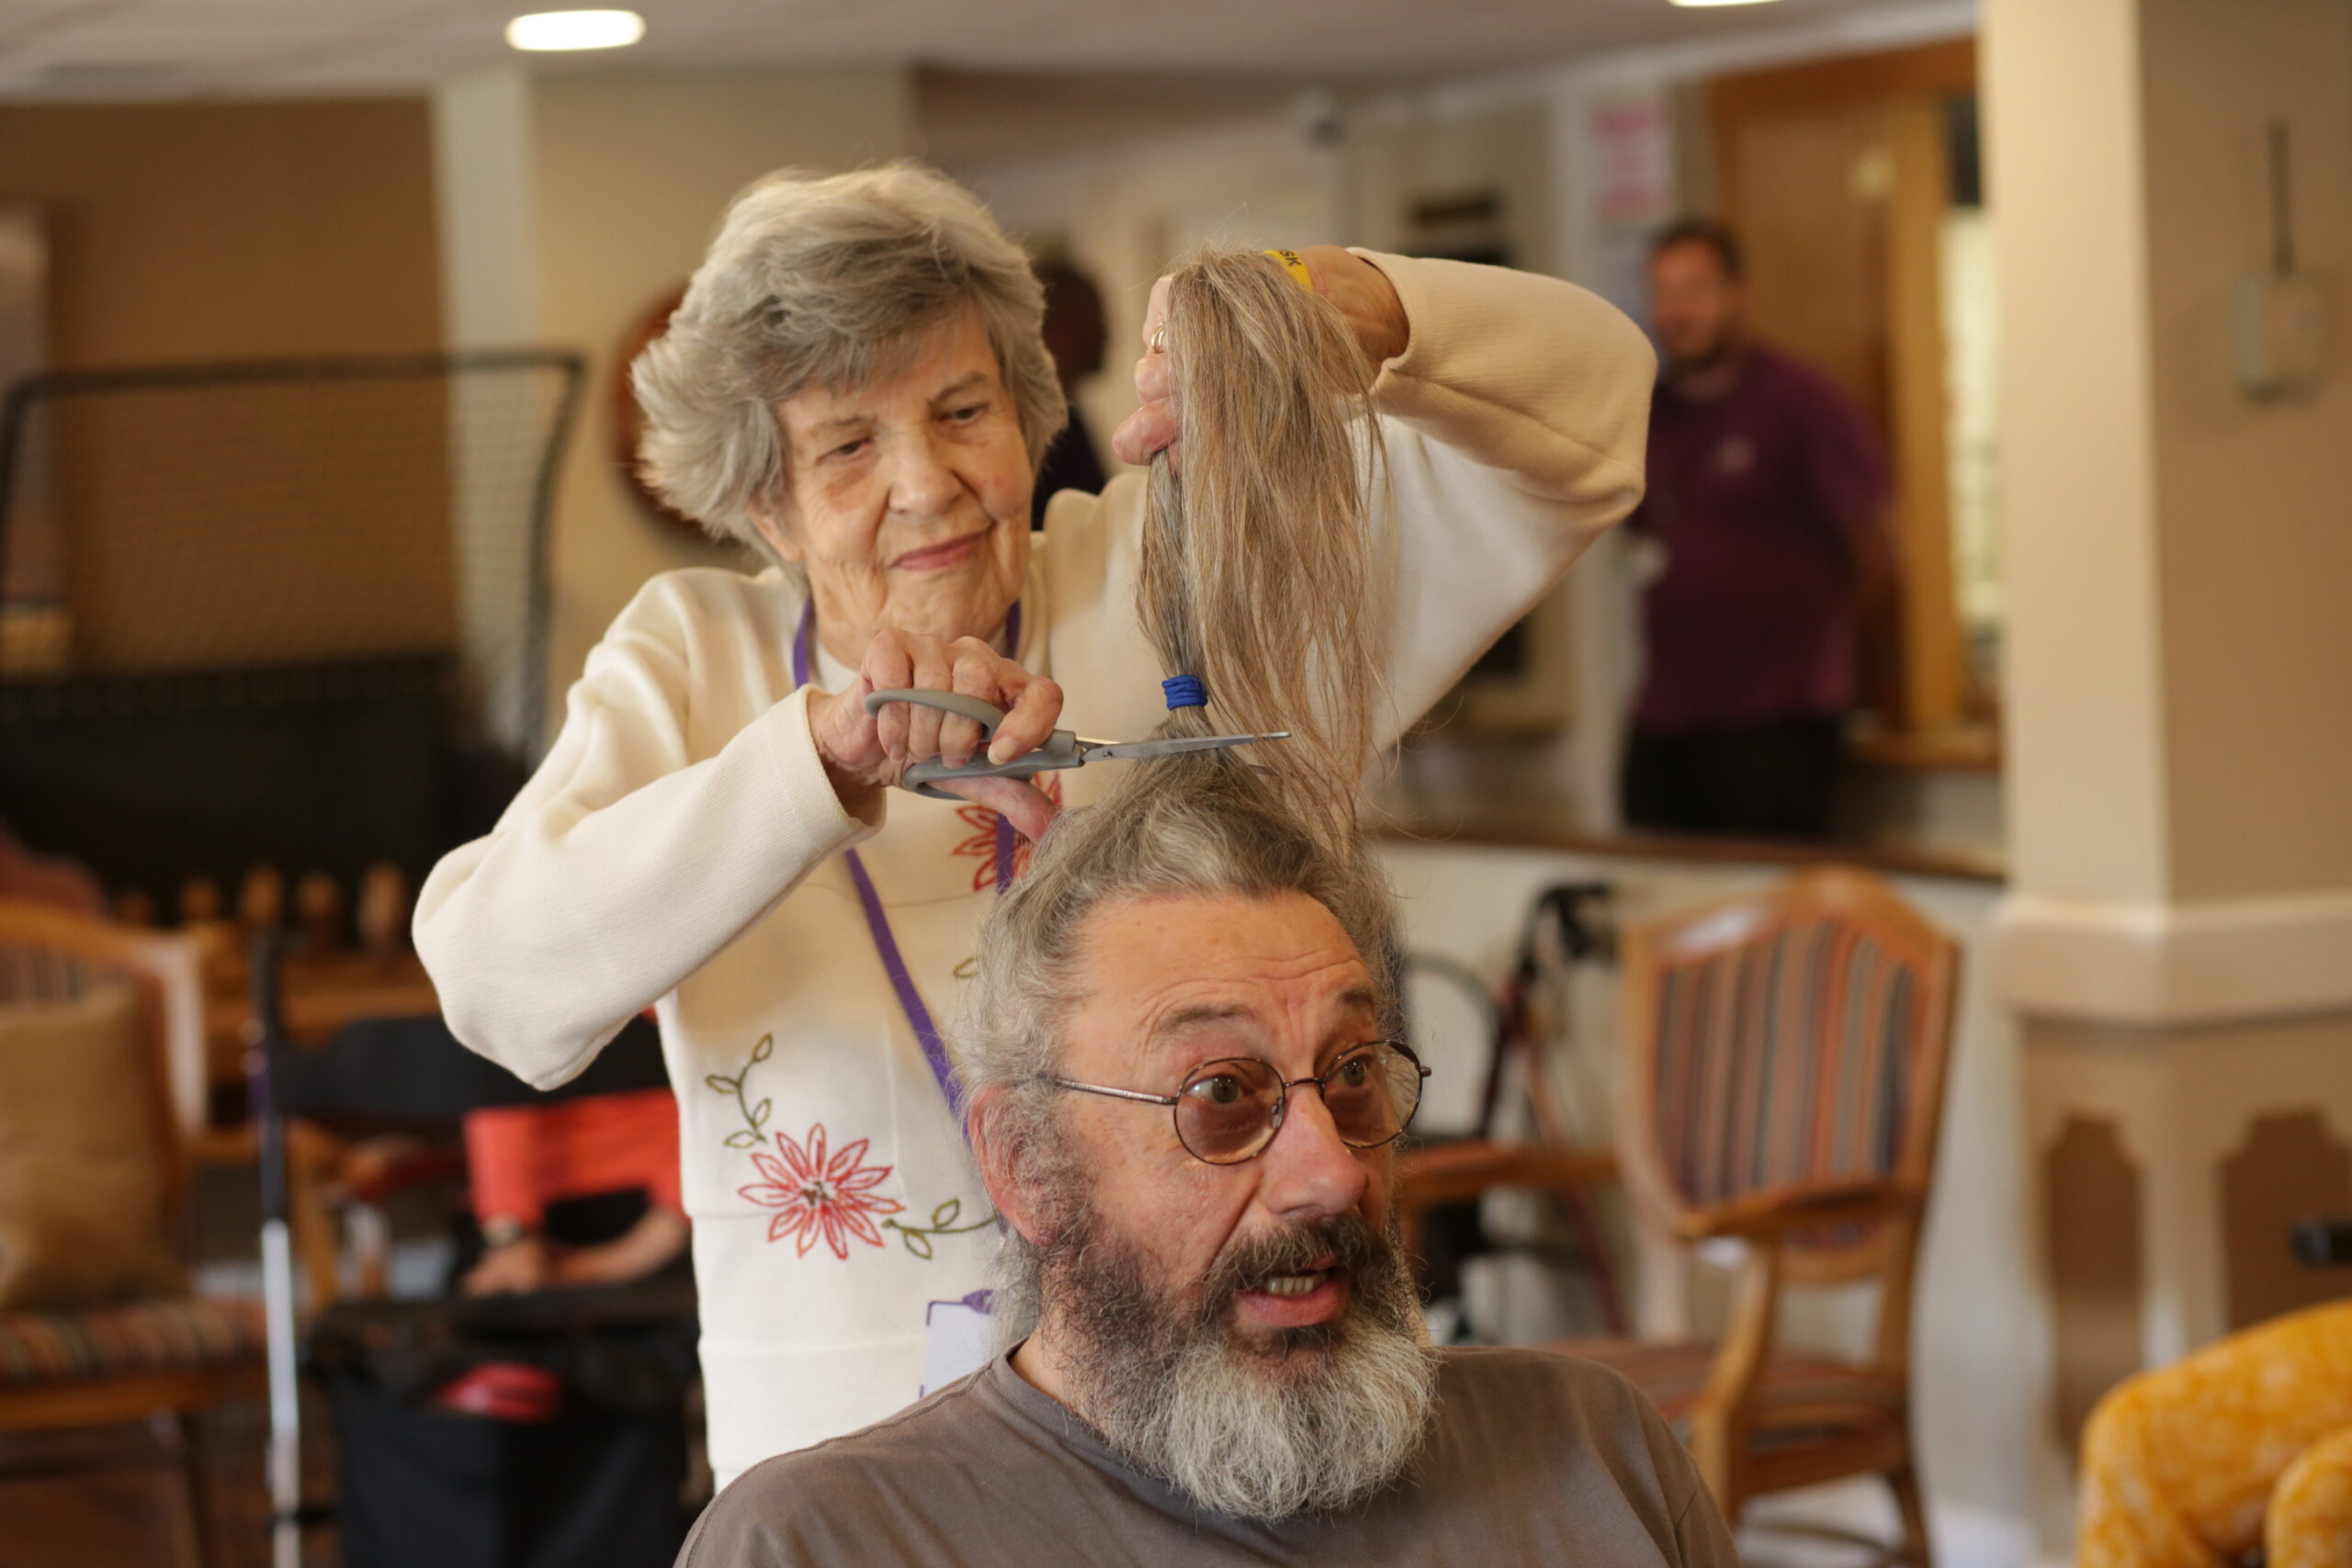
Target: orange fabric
x,y
2309,1522
2180,1463
521,1157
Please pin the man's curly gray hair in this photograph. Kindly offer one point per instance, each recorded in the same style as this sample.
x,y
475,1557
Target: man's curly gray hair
x,y
826,282
1201,825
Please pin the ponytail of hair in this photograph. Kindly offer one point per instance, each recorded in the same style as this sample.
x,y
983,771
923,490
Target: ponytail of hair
x,y
1256,574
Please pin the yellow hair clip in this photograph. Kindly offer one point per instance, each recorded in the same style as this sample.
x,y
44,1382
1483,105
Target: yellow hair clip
x,y
1293,265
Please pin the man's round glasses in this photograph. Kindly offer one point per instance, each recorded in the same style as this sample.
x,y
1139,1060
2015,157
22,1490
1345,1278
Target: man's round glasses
x,y
1229,1109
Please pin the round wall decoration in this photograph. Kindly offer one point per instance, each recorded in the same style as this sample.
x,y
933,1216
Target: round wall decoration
x,y
625,423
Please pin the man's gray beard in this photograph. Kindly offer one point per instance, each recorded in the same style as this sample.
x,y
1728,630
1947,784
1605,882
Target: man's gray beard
x,y
1315,1419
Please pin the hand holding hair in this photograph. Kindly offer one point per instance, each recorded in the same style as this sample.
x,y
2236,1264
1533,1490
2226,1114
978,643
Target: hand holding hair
x,y
1361,293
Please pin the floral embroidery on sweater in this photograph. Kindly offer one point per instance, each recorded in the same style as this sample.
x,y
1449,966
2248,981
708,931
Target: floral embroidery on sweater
x,y
983,842
753,1133
943,1223
821,1193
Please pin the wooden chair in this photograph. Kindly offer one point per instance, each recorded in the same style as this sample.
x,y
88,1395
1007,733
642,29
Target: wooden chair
x,y
160,1361
1785,1071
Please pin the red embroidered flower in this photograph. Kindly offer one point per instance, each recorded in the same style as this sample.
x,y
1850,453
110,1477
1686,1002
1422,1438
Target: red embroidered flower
x,y
820,1195
983,840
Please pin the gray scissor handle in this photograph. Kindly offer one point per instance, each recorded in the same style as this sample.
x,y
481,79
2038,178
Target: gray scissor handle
x,y
1061,750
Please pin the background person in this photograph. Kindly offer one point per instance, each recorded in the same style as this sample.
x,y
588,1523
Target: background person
x,y
1765,501
603,1154
1078,336
856,383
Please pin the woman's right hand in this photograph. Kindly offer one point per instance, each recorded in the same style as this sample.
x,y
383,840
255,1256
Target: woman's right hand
x,y
864,752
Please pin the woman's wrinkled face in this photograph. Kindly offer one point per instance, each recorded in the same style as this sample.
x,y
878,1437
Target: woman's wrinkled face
x,y
907,498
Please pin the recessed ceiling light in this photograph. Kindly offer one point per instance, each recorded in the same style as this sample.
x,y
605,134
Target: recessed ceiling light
x,y
1694,4
575,29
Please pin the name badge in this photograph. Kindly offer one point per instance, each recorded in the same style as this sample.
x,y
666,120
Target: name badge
x,y
955,1339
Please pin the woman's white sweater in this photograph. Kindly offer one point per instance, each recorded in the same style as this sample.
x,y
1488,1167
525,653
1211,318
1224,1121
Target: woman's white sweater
x,y
680,849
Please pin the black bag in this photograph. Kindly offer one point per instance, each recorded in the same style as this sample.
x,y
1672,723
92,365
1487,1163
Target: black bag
x,y
599,1483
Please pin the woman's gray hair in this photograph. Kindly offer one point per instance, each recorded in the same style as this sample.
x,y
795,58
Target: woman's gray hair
x,y
826,282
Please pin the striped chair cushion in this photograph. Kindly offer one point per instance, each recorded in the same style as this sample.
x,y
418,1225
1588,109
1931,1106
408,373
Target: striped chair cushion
x,y
1800,1400
1784,1062
184,1334
42,974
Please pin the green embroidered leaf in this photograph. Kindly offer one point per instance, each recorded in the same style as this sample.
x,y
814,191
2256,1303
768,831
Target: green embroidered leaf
x,y
759,1114
743,1138
764,1049
916,1243
720,1082
945,1214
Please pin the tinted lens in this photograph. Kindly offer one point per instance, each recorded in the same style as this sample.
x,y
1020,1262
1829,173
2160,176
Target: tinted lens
x,y
1226,1110
1370,1093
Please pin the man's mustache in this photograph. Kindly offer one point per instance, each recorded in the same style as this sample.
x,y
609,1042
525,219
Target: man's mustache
x,y
1348,1241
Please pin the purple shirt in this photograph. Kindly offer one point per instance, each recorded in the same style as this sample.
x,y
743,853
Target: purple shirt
x,y
1749,494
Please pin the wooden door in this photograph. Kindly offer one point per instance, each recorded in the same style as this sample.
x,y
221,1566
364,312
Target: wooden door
x,y
1834,174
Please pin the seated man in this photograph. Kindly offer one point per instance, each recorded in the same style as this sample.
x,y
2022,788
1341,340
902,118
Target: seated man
x,y
1183,1107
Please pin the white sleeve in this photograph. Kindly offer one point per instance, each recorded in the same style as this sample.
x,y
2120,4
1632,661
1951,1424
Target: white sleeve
x,y
623,866
1515,424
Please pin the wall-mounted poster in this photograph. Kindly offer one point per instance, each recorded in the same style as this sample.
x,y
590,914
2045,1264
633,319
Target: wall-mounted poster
x,y
1632,147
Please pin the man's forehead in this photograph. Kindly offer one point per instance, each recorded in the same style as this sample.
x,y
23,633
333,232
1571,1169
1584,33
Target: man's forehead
x,y
1168,967
1218,1004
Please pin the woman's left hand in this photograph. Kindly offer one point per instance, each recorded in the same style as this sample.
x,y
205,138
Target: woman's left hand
x,y
1361,292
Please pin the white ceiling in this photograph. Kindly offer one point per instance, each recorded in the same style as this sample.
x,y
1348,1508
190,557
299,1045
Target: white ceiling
x,y
114,49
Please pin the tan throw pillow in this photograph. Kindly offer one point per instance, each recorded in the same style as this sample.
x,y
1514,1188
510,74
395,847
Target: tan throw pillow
x,y
81,1164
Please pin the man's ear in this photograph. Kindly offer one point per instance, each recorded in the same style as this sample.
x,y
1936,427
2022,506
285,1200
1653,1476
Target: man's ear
x,y
1001,1166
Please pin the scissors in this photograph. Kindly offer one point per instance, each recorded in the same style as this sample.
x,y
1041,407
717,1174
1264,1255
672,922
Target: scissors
x,y
1061,749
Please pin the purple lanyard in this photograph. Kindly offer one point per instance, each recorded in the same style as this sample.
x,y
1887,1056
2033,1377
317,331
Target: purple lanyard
x,y
935,1050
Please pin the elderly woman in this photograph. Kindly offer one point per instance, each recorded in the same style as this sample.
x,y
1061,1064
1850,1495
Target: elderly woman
x,y
855,386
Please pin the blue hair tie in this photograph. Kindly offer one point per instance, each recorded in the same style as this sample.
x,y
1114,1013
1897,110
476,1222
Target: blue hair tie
x,y
1184,691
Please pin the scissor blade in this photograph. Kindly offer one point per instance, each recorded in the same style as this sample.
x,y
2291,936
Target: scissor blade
x,y
1129,750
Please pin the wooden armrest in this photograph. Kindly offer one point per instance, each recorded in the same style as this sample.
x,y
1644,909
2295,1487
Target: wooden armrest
x,y
1457,1173
1776,1215
224,1146
373,1169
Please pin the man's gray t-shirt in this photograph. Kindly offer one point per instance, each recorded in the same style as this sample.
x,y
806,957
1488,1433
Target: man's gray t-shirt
x,y
1532,1459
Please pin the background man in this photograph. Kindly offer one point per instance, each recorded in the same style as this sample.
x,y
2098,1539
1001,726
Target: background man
x,y
1766,491
1184,1108
1077,335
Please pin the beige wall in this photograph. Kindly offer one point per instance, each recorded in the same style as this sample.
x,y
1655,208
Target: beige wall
x,y
2085,744
2255,551
631,177
585,198
2179,936
200,230
2178,727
